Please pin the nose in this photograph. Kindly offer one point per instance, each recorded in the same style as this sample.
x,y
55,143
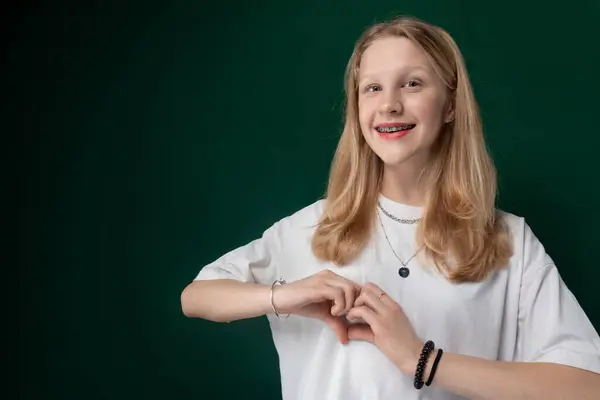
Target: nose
x,y
391,104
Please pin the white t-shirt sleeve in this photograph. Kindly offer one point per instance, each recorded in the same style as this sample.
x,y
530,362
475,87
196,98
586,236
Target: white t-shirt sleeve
x,y
254,262
552,326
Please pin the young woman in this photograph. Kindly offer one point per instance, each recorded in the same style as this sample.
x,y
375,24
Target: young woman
x,y
405,282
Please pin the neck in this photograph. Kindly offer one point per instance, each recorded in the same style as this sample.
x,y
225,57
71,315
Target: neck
x,y
402,184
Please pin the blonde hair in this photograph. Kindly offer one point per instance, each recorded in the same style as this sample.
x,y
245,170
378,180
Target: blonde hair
x,y
460,230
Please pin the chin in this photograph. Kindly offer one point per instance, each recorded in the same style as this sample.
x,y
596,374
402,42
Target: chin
x,y
393,159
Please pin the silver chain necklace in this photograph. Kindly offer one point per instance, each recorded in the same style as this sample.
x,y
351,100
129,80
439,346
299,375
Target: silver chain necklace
x,y
388,214
404,271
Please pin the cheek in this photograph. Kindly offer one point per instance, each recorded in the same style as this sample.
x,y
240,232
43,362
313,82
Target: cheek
x,y
428,110
364,115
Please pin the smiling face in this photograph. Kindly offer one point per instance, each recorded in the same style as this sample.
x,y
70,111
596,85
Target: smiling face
x,y
402,102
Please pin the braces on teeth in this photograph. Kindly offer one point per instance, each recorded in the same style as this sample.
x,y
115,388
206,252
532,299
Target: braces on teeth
x,y
395,128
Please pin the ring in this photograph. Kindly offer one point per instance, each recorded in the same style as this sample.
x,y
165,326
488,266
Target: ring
x,y
381,295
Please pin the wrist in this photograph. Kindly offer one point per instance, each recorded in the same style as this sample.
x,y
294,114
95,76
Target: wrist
x,y
277,291
409,364
429,365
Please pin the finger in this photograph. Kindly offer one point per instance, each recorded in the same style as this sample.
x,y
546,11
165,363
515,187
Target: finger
x,y
330,275
361,332
338,297
364,312
357,286
372,288
368,299
377,296
349,290
354,289
339,327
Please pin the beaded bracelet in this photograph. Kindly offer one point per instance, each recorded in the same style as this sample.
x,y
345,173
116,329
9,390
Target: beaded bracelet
x,y
427,349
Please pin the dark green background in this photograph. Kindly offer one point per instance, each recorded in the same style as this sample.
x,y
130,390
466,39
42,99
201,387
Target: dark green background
x,y
158,137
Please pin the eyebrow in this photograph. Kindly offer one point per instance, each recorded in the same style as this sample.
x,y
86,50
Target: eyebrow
x,y
403,70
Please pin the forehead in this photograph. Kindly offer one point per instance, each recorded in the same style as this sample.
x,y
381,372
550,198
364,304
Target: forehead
x,y
390,54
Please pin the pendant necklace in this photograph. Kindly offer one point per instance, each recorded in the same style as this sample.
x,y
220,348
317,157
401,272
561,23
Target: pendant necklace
x,y
403,271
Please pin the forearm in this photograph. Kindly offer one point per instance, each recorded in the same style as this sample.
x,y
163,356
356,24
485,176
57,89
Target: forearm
x,y
225,300
476,378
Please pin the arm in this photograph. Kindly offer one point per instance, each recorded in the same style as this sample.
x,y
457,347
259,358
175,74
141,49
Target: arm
x,y
476,378
225,300
237,284
554,337
325,296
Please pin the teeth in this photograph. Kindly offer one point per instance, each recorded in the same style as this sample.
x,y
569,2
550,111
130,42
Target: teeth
x,y
395,128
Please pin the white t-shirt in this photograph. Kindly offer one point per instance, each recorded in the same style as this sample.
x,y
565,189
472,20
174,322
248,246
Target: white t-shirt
x,y
522,313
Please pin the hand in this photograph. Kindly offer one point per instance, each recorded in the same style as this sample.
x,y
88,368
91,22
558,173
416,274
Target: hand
x,y
325,296
386,326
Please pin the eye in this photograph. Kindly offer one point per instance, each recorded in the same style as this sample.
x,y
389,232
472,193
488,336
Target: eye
x,y
372,88
413,83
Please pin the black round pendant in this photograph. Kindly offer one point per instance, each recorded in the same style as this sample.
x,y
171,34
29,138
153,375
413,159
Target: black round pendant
x,y
403,272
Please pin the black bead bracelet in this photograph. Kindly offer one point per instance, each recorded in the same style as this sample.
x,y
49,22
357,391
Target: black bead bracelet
x,y
427,349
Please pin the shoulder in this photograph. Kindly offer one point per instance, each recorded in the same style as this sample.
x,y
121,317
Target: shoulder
x,y
305,218
528,250
302,221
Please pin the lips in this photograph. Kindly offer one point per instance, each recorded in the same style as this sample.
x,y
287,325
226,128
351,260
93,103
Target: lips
x,y
394,127
394,130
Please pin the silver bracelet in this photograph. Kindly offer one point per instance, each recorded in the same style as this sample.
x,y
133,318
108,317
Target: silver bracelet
x,y
281,281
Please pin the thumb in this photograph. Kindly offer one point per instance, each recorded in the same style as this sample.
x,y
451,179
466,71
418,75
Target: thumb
x,y
361,332
339,327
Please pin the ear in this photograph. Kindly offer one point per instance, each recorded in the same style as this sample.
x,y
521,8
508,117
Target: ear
x,y
450,107
449,110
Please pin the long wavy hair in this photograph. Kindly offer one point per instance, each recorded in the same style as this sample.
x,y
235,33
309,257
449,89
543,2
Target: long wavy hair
x,y
460,231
